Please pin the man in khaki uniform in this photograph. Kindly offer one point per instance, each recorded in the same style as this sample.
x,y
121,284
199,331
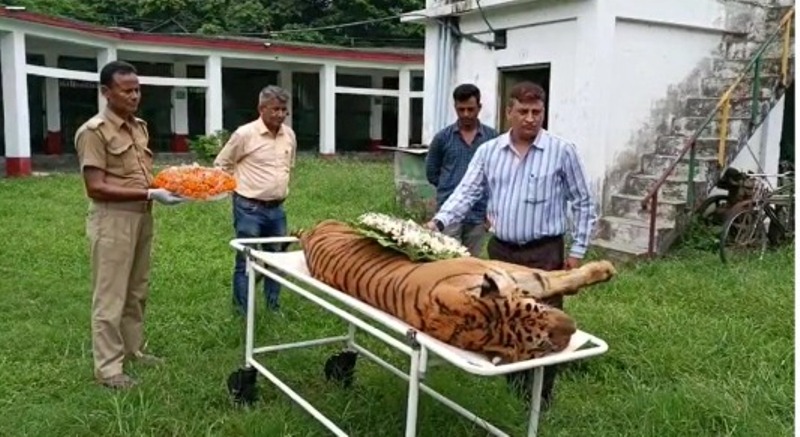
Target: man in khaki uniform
x,y
260,155
117,166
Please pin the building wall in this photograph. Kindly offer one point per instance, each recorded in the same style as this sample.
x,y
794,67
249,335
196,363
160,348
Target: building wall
x,y
617,66
36,107
78,102
528,44
655,67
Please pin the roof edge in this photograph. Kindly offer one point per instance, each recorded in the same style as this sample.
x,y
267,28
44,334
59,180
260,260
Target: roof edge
x,y
218,42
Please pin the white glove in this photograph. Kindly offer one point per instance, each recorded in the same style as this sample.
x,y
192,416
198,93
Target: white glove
x,y
163,196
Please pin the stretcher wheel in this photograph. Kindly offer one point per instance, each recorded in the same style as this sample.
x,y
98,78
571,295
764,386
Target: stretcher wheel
x,y
341,367
242,385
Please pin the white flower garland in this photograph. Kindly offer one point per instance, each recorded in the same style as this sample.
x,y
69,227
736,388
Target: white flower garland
x,y
415,240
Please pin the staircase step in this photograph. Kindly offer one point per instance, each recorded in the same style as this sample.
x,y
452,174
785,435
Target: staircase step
x,y
746,50
704,147
623,234
674,188
713,87
702,106
618,253
757,19
656,165
733,68
777,10
634,233
746,18
630,206
689,125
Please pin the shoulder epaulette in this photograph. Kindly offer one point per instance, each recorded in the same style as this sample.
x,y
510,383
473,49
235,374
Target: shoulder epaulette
x,y
94,123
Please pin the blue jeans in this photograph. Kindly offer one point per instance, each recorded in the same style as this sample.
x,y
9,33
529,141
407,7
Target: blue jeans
x,y
255,220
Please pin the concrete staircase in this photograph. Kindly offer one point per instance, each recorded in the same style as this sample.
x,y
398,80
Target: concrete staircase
x,y
622,233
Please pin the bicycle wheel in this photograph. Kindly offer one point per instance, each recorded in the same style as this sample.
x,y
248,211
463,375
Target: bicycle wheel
x,y
712,210
744,233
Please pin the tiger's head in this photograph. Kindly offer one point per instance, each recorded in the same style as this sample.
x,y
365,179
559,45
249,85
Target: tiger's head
x,y
527,328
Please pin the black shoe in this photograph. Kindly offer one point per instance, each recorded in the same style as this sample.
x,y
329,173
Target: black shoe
x,y
545,403
521,383
238,310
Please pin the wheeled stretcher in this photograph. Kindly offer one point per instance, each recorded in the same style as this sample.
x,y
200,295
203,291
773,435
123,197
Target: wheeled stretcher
x,y
420,348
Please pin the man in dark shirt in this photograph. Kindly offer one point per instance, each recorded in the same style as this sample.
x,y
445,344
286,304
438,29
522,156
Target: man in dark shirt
x,y
448,158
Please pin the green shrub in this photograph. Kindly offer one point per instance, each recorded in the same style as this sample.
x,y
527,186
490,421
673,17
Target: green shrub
x,y
206,147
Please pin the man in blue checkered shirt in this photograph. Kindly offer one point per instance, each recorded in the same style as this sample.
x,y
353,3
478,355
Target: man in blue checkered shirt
x,y
448,157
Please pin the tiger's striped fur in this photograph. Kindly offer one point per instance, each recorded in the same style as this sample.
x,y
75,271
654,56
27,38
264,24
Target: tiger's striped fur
x,y
483,306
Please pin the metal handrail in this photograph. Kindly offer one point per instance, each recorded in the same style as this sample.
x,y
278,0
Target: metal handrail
x,y
651,197
754,63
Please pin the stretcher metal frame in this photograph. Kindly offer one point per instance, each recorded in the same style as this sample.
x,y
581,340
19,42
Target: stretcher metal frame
x,y
417,345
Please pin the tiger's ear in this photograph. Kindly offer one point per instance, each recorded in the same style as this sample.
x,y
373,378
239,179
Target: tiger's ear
x,y
489,287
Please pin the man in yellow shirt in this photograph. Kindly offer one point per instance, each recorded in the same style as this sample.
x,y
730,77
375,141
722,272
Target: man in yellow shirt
x,y
260,155
117,168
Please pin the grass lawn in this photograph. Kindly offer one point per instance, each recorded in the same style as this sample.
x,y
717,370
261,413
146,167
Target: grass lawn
x,y
696,348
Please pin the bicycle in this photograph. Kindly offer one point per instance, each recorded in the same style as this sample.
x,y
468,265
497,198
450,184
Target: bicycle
x,y
765,219
715,208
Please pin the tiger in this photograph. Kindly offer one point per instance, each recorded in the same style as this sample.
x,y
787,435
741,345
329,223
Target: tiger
x,y
488,307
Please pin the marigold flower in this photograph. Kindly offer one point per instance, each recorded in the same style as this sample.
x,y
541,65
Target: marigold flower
x,y
195,182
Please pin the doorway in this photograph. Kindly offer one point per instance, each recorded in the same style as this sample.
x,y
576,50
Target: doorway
x,y
538,74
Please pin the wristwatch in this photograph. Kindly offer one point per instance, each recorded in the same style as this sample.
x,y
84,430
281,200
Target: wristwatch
x,y
439,225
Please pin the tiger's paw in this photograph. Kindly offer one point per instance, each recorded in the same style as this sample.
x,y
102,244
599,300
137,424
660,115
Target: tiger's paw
x,y
599,271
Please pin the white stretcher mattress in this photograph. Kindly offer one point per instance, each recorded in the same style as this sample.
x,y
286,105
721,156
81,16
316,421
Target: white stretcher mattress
x,y
582,344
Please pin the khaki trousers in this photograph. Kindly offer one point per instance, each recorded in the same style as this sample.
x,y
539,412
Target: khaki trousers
x,y
120,237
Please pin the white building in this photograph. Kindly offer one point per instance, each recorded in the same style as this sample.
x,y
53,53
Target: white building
x,y
195,85
628,81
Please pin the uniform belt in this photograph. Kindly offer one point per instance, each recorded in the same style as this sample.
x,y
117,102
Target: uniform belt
x,y
265,203
134,206
531,243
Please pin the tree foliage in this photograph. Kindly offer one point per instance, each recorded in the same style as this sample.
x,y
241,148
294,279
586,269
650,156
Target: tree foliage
x,y
277,19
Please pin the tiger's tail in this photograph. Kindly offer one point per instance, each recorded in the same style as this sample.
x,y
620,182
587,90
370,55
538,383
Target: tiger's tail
x,y
298,233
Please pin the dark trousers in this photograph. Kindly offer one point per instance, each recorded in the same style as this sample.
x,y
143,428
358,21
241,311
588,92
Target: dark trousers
x,y
545,254
253,219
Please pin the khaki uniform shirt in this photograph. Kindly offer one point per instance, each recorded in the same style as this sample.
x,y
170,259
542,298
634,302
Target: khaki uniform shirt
x,y
117,146
259,160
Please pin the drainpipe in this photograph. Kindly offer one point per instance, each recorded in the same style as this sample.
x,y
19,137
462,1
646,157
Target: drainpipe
x,y
444,72
440,55
448,72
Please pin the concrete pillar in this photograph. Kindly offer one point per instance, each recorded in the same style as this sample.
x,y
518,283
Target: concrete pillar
x,y
15,104
404,108
591,122
104,56
327,109
285,82
376,114
180,113
52,145
213,94
432,73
